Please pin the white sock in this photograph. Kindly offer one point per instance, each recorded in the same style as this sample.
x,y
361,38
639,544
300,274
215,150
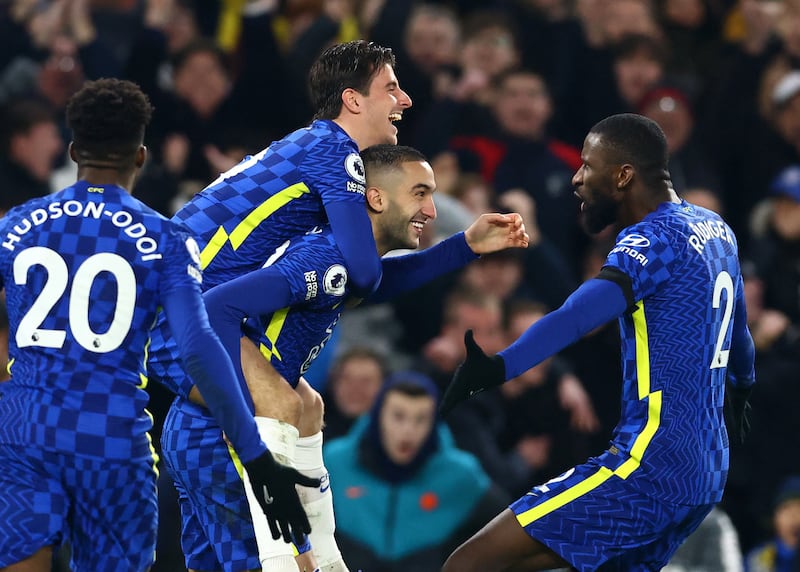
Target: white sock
x,y
280,438
318,504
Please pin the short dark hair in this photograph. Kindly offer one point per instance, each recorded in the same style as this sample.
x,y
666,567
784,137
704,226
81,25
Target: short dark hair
x,y
637,140
108,118
350,65
386,156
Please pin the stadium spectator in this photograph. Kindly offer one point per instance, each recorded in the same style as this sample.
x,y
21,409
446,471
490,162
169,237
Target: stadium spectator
x,y
714,546
29,145
404,494
355,379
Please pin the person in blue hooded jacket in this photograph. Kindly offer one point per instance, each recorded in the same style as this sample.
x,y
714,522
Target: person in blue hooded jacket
x,y
404,494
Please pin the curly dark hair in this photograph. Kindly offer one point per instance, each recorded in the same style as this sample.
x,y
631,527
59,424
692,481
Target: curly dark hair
x,y
108,118
342,66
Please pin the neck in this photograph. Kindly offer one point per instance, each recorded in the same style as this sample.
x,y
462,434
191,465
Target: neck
x,y
99,175
352,132
380,241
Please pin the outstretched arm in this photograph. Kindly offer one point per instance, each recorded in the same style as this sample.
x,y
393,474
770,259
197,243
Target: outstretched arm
x,y
593,304
489,233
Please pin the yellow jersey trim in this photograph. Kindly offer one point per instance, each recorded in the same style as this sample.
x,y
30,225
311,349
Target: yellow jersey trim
x,y
640,444
258,215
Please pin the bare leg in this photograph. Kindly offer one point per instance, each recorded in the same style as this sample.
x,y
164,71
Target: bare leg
x,y
41,561
502,545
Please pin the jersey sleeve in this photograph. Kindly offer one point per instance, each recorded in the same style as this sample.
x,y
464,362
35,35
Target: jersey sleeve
x,y
203,356
646,255
339,178
316,274
741,367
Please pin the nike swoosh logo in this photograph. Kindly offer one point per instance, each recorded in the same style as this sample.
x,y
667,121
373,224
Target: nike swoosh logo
x,y
324,488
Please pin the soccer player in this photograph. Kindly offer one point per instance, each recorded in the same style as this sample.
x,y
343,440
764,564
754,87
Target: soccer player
x,y
85,271
310,177
674,282
308,285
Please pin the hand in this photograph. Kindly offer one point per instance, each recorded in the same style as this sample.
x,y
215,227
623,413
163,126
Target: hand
x,y
737,411
494,231
573,398
274,487
519,201
477,373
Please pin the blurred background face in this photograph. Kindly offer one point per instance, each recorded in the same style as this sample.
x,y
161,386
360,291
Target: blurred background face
x,y
787,522
786,217
623,17
491,51
202,82
674,118
405,422
358,381
485,321
686,13
636,73
37,149
522,106
431,40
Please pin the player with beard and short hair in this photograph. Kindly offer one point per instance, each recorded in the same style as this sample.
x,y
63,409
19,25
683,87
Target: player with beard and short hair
x,y
673,281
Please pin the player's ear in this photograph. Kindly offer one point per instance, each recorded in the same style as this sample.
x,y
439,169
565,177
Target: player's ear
x,y
351,100
624,176
141,156
375,199
72,153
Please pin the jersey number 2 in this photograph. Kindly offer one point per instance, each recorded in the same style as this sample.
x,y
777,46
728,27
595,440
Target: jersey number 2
x,y
724,283
30,333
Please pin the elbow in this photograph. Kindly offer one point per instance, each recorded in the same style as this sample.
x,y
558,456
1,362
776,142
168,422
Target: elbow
x,y
365,280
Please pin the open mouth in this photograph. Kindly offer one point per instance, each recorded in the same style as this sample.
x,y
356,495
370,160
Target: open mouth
x,y
396,116
418,225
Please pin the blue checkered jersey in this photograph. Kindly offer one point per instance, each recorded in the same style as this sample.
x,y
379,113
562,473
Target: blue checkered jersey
x,y
292,337
84,271
277,194
683,264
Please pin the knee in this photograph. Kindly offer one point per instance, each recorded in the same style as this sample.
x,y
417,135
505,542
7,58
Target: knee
x,y
313,409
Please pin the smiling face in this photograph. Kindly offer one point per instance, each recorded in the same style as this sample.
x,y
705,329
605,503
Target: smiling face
x,y
594,185
405,422
409,194
384,103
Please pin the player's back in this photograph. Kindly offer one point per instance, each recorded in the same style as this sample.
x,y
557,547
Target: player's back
x,y
84,271
277,194
686,282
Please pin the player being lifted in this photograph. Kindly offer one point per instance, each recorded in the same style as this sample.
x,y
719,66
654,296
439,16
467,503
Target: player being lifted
x,y
85,271
308,286
311,177
673,280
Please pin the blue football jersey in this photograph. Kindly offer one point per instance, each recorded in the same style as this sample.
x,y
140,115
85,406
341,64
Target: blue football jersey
x,y
684,267
84,271
277,194
291,338
248,212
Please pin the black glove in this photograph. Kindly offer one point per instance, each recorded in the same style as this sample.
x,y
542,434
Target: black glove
x,y
273,485
737,411
477,373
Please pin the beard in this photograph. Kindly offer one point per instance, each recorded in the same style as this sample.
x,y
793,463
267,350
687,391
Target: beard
x,y
598,215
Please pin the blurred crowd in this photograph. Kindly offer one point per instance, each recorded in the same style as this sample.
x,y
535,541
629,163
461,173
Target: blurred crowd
x,y
503,93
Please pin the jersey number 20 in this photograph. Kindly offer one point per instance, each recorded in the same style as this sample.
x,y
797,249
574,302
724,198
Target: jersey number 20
x,y
30,333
